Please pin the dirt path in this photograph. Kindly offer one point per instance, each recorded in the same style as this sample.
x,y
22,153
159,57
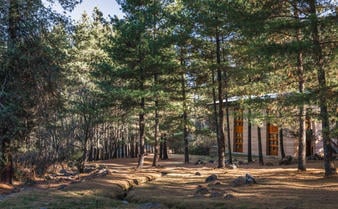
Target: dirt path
x,y
175,185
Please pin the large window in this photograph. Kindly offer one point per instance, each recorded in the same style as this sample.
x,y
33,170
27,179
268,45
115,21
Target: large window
x,y
238,130
272,140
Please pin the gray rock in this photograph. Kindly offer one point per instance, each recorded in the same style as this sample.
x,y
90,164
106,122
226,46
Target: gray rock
x,y
269,164
152,205
215,194
211,178
232,166
249,179
239,181
125,202
201,190
286,161
199,162
215,183
229,196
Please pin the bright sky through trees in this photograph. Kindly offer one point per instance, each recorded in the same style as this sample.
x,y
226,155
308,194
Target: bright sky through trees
x,y
107,7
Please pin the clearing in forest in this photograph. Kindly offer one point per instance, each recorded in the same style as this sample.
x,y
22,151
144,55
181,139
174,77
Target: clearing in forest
x,y
174,185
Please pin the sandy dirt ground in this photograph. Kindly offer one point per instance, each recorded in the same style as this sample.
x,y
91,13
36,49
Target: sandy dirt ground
x,y
117,184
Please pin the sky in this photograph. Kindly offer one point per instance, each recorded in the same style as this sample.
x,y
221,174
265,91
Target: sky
x,y
107,7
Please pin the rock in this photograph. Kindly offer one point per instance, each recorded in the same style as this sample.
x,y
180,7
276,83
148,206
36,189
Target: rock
x,y
269,164
199,162
152,205
239,181
61,187
214,183
286,160
232,166
229,196
215,194
201,190
198,174
125,202
249,179
88,170
63,171
211,178
164,173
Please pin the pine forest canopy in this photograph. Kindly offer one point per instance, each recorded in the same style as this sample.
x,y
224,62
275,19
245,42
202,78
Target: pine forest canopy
x,y
104,88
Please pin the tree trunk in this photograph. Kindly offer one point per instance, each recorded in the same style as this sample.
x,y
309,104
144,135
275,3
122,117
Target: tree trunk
x,y
324,115
157,127
185,113
281,143
260,149
165,149
301,109
141,153
7,171
214,103
249,138
141,135
161,148
221,138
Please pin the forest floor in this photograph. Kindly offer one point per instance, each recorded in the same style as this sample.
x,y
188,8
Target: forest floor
x,y
117,184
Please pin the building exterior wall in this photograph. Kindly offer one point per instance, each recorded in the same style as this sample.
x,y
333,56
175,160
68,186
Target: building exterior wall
x,y
290,140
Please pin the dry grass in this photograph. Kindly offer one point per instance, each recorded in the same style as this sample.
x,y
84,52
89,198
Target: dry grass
x,y
276,188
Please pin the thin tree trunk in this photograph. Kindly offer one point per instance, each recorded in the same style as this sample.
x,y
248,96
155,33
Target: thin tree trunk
x,y
324,115
260,149
301,109
249,138
221,138
185,113
161,148
157,126
281,143
165,149
141,135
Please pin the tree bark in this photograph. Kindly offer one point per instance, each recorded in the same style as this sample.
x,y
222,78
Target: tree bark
x,y
324,115
249,138
157,127
281,143
301,108
141,135
260,149
221,138
165,149
185,112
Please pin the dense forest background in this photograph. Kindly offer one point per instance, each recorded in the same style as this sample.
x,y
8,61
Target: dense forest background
x,y
104,88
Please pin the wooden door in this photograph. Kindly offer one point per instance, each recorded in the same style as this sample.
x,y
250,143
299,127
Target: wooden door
x,y
272,140
238,130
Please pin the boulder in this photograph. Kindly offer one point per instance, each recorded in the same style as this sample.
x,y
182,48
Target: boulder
x,y
215,194
229,196
269,164
286,160
232,166
239,181
199,162
212,177
249,179
201,190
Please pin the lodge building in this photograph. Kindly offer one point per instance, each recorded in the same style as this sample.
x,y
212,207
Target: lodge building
x,y
270,134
